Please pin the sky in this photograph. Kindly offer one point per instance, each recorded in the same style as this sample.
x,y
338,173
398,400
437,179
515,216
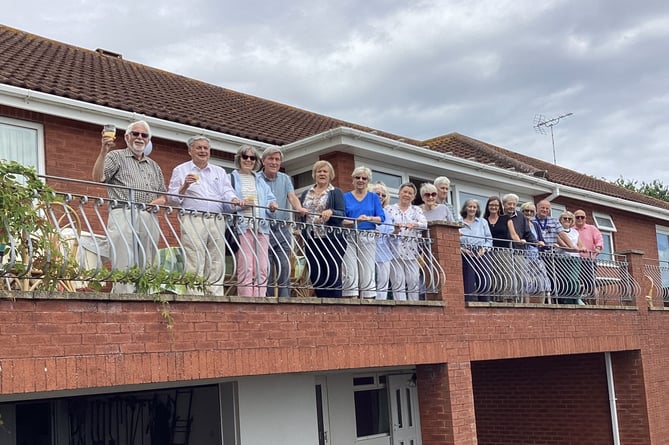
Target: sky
x,y
491,70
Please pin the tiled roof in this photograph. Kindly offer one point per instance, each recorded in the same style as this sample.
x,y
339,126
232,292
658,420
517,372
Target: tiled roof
x,y
44,65
39,64
469,148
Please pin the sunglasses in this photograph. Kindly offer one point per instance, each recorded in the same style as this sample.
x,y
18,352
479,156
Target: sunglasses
x,y
567,219
382,195
430,195
529,211
580,217
139,133
249,157
361,178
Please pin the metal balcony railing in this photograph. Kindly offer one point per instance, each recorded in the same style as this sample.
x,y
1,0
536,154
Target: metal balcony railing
x,y
144,248
658,278
528,274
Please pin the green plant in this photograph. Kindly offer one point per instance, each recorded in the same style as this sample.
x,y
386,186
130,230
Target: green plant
x,y
32,218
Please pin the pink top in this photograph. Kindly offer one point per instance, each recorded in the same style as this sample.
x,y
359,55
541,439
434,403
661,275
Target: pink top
x,y
591,238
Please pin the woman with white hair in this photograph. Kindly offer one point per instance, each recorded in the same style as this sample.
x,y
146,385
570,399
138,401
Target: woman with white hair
x,y
363,212
433,210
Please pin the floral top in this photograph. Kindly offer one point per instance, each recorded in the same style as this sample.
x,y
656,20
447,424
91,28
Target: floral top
x,y
405,244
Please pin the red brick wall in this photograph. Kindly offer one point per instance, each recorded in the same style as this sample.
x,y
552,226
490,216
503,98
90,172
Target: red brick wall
x,y
631,405
550,400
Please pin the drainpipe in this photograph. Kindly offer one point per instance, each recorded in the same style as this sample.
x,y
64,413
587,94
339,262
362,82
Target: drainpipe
x,y
552,196
612,398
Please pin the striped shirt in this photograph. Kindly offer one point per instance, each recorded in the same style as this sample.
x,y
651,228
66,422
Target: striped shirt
x,y
122,168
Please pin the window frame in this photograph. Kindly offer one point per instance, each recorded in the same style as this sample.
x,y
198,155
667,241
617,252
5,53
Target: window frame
x,y
39,129
379,383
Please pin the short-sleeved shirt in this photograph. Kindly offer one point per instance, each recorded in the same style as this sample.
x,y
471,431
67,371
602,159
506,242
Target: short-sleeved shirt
x,y
281,186
145,176
550,228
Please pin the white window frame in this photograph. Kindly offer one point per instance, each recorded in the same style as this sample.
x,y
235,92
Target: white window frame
x,y
607,230
41,166
376,385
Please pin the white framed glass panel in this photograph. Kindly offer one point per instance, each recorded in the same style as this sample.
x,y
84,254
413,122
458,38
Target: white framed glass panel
x,y
662,235
604,222
22,142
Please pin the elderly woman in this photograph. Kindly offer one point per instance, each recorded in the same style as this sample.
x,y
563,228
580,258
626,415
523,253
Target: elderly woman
x,y
475,241
443,185
433,210
363,213
383,252
409,221
253,229
569,263
324,240
537,279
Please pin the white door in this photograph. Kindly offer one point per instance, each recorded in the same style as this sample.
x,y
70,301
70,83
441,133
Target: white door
x,y
322,413
404,409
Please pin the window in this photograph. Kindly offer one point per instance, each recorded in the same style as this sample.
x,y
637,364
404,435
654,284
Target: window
x,y
662,234
605,225
22,142
372,412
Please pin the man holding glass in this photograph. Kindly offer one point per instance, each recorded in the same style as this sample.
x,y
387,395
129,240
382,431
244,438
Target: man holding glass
x,y
133,180
205,191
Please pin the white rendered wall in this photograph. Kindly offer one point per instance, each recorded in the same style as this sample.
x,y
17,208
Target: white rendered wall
x,y
277,410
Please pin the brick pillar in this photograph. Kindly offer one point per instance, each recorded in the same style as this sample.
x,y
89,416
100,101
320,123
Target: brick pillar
x,y
446,401
343,164
446,250
635,267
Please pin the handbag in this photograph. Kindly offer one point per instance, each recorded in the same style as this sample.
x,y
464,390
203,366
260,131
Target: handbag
x,y
231,236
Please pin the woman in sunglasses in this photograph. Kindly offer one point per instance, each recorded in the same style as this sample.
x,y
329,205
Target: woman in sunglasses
x,y
432,210
569,264
253,228
363,213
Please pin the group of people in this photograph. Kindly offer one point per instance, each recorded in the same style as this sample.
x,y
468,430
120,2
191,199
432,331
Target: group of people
x,y
355,243
506,252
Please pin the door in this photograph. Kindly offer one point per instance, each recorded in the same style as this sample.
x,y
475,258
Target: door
x,y
322,413
404,409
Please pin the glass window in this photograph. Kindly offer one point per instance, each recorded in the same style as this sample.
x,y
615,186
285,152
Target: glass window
x,y
605,225
22,142
604,222
372,412
302,180
662,234
390,180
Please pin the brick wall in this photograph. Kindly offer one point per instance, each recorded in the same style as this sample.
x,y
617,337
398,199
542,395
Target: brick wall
x,y
550,400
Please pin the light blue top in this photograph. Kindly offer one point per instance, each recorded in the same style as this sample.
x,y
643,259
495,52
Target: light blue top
x,y
383,251
264,196
475,234
280,186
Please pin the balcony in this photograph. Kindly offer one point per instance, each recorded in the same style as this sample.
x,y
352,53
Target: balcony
x,y
178,252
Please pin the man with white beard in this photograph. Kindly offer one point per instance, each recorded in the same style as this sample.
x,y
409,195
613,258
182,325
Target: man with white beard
x,y
133,231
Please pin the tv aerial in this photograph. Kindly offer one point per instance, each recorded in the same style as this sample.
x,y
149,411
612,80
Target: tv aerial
x,y
541,123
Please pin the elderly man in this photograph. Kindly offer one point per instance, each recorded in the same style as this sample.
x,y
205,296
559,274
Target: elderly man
x,y
551,230
592,240
205,189
133,231
443,184
520,224
281,237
